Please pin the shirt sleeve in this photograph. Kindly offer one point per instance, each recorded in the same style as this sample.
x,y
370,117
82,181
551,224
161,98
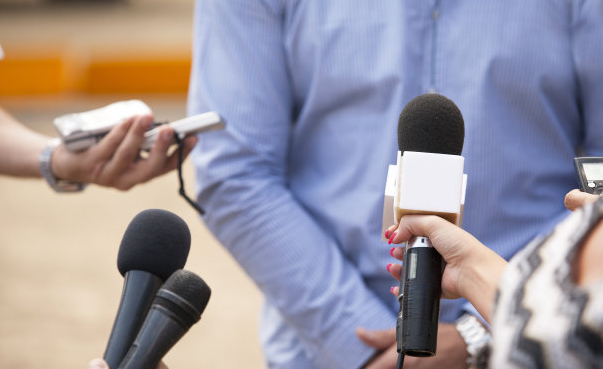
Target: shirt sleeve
x,y
587,33
587,53
240,71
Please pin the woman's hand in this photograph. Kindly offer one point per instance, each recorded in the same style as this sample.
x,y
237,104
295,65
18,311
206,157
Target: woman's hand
x,y
576,199
472,270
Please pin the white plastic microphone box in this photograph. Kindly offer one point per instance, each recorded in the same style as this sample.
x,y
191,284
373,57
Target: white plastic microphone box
x,y
388,200
429,184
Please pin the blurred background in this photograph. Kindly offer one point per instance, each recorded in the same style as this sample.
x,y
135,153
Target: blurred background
x,y
59,284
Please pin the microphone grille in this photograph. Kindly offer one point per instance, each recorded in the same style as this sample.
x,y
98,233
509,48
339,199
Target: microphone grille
x,y
156,241
190,287
431,123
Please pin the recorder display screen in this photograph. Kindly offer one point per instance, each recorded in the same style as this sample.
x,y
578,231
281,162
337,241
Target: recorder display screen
x,y
593,171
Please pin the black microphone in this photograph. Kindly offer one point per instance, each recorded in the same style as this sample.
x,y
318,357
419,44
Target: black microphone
x,y
176,307
430,180
155,244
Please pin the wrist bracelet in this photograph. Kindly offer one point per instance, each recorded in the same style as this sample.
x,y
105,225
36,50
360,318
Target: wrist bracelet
x,y
477,338
58,185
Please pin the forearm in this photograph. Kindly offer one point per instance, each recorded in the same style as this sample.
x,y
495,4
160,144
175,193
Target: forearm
x,y
298,267
20,148
479,279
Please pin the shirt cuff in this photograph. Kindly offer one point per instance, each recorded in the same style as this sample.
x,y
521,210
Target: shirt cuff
x,y
344,349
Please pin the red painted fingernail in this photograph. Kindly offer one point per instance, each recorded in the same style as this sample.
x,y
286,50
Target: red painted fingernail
x,y
391,251
388,266
391,290
387,234
392,238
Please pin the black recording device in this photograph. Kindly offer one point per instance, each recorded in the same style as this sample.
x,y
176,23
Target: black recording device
x,y
80,131
590,174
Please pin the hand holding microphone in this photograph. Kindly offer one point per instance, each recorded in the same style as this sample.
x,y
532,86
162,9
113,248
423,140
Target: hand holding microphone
x,y
428,180
464,256
428,219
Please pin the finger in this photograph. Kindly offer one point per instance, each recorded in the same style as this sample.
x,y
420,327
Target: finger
x,y
379,339
127,152
388,231
155,164
161,365
98,364
395,291
576,199
421,225
397,252
452,242
385,360
108,145
189,143
414,362
395,270
172,162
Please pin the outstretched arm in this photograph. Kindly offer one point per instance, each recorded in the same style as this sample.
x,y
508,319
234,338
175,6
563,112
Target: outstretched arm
x,y
113,162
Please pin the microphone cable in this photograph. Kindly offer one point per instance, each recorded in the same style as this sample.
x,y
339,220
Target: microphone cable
x,y
181,190
400,362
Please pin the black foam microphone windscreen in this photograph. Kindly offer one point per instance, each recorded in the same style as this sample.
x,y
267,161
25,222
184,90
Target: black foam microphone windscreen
x,y
156,241
431,123
155,244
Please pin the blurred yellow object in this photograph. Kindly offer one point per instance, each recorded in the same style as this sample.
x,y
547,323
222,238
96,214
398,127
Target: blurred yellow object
x,y
26,72
28,75
138,76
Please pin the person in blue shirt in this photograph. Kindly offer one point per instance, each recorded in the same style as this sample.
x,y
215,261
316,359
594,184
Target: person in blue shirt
x,y
311,92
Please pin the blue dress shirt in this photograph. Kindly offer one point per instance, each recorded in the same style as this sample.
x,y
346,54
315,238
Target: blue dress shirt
x,y
311,91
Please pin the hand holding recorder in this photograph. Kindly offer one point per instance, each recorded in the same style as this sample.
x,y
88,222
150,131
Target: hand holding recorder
x,y
103,146
115,161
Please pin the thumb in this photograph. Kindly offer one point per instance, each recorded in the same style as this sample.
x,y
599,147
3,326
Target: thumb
x,y
576,199
379,339
97,364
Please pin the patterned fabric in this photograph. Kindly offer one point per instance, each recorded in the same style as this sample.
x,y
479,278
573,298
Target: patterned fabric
x,y
542,319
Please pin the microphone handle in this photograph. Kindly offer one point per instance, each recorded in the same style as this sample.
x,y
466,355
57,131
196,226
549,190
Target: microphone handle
x,y
136,298
160,331
422,289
